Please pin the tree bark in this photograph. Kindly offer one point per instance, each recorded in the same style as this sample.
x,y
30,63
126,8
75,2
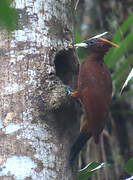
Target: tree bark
x,y
38,119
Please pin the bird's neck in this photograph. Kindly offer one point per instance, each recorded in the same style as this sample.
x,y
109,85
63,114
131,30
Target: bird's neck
x,y
99,56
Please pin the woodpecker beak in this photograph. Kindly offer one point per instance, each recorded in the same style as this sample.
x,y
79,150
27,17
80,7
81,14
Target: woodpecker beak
x,y
85,45
111,43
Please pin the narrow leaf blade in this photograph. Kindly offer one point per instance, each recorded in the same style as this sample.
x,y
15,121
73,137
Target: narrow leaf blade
x,y
90,169
129,166
130,76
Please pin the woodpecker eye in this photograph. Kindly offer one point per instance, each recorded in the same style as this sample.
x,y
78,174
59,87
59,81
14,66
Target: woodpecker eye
x,y
92,42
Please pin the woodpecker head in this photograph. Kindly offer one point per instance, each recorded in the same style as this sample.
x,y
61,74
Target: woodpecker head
x,y
97,44
100,45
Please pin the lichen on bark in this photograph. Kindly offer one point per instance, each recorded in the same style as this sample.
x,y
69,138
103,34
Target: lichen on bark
x,y
37,118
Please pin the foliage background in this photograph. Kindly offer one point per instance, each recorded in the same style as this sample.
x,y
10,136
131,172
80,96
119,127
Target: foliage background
x,y
116,147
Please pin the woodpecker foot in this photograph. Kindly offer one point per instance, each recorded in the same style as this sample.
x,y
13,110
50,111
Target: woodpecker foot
x,y
75,94
69,89
71,92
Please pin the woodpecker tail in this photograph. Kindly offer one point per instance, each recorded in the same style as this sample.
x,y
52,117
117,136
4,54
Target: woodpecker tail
x,y
78,145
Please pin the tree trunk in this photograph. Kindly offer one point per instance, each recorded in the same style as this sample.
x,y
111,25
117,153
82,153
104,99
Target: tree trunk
x,y
37,117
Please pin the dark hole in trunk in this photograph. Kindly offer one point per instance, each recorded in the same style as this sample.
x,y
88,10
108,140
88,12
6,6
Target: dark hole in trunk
x,y
66,66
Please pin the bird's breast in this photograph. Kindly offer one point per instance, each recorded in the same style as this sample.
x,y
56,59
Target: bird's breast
x,y
95,75
95,88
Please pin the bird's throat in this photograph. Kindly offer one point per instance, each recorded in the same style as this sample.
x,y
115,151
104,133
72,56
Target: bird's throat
x,y
98,56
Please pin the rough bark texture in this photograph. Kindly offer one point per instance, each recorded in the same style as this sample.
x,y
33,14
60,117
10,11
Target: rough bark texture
x,y
38,119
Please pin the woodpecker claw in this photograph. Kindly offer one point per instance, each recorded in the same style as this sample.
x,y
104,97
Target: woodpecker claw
x,y
69,89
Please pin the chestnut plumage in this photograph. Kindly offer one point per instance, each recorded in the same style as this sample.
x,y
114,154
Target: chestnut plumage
x,y
95,92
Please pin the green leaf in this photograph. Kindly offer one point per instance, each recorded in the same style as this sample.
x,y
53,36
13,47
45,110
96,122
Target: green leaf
x,y
123,66
78,38
119,81
8,15
90,169
130,76
117,53
123,96
112,56
129,166
81,51
123,29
